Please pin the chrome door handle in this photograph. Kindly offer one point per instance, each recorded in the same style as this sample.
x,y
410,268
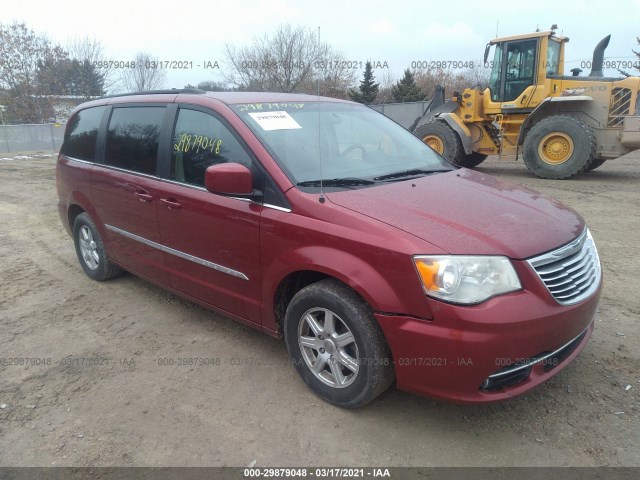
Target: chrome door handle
x,y
144,197
171,203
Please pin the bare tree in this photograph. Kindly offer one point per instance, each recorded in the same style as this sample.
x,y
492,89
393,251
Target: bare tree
x,y
23,53
427,79
290,60
387,81
279,62
147,74
90,51
85,48
332,76
477,77
451,80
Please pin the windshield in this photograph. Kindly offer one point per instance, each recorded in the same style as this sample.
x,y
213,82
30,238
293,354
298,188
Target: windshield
x,y
345,145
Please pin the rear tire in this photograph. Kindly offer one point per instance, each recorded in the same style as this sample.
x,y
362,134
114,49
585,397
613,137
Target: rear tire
x,y
559,147
336,344
443,140
90,249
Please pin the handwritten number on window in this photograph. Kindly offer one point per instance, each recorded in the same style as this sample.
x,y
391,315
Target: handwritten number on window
x,y
188,143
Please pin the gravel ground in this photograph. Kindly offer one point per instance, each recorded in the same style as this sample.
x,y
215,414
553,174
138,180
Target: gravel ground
x,y
97,395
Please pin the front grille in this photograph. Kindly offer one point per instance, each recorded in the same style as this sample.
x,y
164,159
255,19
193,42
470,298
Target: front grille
x,y
619,106
572,272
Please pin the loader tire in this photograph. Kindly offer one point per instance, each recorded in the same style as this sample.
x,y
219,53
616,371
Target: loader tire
x,y
442,139
559,147
472,160
597,162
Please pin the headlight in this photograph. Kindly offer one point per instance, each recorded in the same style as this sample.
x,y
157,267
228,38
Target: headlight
x,y
466,279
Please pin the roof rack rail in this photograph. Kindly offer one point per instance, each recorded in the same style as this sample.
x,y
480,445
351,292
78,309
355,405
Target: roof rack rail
x,y
194,91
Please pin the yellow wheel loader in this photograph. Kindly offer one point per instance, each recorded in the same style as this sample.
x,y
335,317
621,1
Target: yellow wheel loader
x,y
562,125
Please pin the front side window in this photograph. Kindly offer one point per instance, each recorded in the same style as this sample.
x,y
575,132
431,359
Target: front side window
x,y
81,134
199,141
553,57
133,137
344,145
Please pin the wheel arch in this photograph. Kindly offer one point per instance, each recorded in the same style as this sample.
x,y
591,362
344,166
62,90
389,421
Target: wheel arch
x,y
352,271
77,203
72,213
286,290
552,106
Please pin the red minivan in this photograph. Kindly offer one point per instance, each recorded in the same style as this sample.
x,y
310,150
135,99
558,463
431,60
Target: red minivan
x,y
326,223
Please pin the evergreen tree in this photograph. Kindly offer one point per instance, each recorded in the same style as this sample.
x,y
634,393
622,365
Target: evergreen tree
x,y
64,76
406,90
368,89
91,82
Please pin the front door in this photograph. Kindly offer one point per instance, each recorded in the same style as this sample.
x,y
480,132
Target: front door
x,y
211,241
514,69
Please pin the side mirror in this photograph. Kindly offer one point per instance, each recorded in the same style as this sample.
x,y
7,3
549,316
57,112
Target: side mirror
x,y
229,179
486,52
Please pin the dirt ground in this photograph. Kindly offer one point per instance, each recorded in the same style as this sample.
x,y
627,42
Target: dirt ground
x,y
96,391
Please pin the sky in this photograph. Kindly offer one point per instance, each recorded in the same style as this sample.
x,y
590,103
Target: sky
x,y
396,33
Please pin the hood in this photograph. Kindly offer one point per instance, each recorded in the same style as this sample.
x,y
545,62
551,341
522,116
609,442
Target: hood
x,y
466,212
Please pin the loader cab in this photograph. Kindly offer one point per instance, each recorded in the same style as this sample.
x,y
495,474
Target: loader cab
x,y
520,62
513,69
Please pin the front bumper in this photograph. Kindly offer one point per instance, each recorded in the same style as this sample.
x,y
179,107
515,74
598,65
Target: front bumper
x,y
458,354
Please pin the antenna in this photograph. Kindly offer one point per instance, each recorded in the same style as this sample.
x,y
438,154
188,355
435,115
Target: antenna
x,y
319,49
497,25
321,199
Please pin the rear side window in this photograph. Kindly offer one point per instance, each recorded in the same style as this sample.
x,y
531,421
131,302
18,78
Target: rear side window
x,y
81,134
199,141
133,137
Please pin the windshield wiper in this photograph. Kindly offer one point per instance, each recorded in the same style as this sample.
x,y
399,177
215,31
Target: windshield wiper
x,y
407,173
336,182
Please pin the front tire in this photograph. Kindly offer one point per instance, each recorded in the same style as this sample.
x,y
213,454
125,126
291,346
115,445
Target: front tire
x,y
472,160
443,140
559,147
336,345
90,249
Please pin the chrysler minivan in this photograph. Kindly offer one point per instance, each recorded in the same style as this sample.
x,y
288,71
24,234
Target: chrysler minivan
x,y
324,222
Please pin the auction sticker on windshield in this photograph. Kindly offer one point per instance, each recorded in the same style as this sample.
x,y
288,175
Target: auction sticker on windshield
x,y
275,120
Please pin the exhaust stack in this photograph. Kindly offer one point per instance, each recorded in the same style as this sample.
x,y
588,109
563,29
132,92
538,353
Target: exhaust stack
x,y
598,57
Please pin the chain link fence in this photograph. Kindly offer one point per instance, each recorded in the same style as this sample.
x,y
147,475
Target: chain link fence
x,y
30,138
